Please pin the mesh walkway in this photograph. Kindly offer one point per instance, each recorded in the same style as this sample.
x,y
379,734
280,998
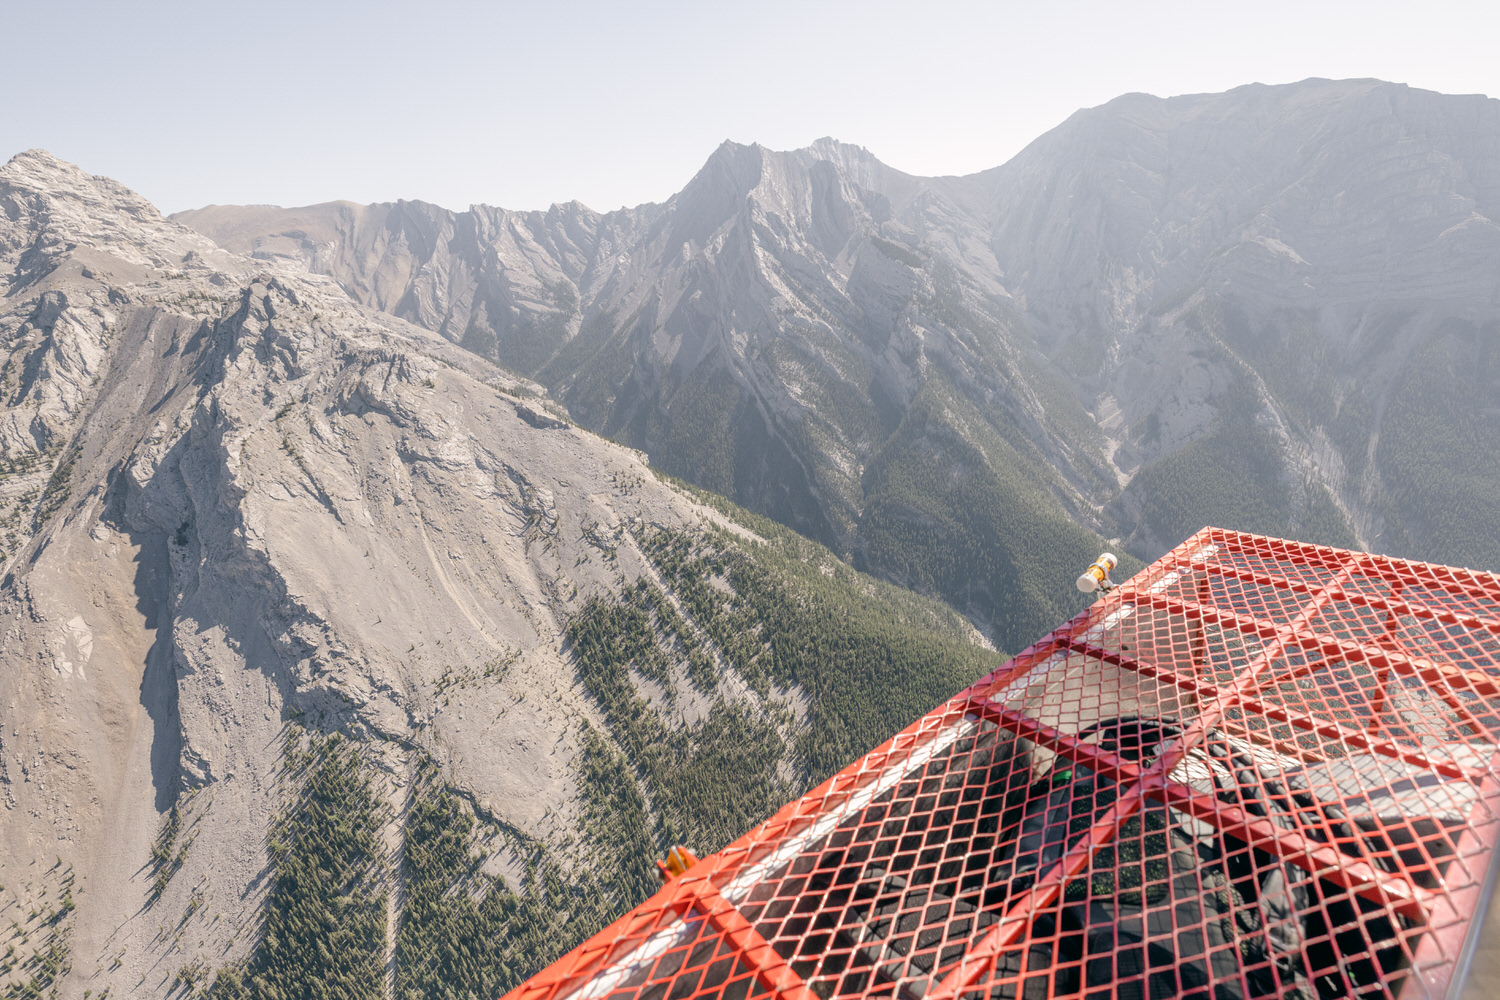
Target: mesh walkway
x,y
1258,768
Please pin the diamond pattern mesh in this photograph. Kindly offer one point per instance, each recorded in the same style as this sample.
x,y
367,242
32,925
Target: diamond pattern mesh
x,y
1259,768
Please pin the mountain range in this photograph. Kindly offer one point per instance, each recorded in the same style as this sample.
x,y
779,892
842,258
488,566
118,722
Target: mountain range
x,y
1274,308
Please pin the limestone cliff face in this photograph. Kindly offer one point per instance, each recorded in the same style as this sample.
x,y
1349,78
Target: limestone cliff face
x,y
232,498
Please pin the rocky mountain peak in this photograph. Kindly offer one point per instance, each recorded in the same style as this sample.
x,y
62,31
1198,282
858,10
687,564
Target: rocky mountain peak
x,y
858,164
1329,170
39,169
50,208
35,178
716,193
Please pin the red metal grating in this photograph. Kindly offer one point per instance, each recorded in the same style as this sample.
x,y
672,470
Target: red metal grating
x,y
1258,768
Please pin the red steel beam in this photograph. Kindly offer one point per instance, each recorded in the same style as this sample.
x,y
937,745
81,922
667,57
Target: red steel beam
x,y
1395,606
679,897
1090,755
1474,586
771,970
1013,925
1277,713
1192,685
1432,671
1448,946
1318,858
572,972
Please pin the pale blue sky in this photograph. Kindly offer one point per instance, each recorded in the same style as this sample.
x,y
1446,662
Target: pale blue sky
x,y
619,103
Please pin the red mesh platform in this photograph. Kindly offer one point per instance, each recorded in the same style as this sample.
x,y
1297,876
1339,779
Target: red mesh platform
x,y
1259,768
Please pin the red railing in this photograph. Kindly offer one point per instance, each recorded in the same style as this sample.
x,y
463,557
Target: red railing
x,y
1260,767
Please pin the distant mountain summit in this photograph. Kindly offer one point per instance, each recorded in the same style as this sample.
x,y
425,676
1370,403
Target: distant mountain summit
x,y
1274,308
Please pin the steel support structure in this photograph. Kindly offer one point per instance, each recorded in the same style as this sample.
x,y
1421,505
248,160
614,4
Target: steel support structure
x,y
889,880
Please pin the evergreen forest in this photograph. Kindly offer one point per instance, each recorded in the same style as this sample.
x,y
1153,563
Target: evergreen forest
x,y
745,666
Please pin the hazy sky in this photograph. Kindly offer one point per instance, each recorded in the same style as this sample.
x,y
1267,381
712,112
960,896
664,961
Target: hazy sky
x,y
619,103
